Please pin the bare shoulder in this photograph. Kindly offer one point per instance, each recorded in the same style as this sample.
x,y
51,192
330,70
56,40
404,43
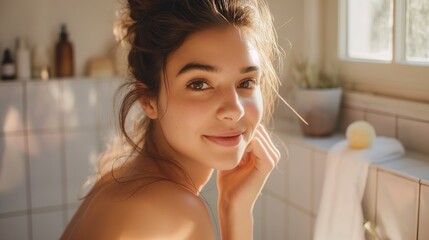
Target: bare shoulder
x,y
161,210
167,209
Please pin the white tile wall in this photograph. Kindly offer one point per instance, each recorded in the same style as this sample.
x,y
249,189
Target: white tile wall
x,y
69,138
209,194
349,115
304,174
424,210
70,213
397,207
50,135
13,174
80,103
47,226
299,224
14,228
81,154
11,108
105,137
385,124
275,218
405,120
46,169
44,105
319,163
414,135
276,183
299,182
106,105
258,218
370,195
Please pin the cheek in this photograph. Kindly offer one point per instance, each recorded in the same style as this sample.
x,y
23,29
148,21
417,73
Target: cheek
x,y
254,108
254,112
183,115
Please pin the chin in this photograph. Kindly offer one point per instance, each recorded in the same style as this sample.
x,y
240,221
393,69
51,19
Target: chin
x,y
228,162
227,166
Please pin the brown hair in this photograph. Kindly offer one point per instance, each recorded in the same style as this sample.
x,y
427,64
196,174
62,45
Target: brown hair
x,y
153,29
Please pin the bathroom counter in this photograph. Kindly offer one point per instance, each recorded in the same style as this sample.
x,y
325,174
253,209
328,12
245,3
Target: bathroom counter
x,y
412,165
396,192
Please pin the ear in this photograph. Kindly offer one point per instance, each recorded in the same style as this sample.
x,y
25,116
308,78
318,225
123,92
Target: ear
x,y
147,104
149,107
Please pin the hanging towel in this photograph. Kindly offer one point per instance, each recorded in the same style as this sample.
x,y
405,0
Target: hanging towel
x,y
340,214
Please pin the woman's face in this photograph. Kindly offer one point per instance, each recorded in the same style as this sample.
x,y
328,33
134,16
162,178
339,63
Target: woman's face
x,y
212,103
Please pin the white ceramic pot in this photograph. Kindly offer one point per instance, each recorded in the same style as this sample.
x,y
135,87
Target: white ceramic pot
x,y
320,108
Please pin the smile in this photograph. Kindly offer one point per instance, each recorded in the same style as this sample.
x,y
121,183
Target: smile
x,y
230,140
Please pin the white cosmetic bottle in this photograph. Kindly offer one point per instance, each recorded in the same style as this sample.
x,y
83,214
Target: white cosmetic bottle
x,y
23,60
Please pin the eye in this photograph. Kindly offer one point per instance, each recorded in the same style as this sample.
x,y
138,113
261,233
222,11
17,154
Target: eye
x,y
249,83
198,85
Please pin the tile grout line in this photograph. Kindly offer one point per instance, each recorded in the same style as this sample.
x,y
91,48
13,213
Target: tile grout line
x,y
98,116
48,209
312,184
376,196
63,164
263,210
290,203
312,189
418,210
396,127
27,162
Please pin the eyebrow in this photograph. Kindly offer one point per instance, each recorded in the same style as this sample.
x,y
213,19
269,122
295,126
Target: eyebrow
x,y
197,66
208,68
250,69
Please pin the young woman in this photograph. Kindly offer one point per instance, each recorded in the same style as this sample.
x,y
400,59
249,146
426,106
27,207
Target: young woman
x,y
202,72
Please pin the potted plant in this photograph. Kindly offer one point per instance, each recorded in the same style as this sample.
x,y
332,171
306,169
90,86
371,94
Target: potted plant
x,y
318,99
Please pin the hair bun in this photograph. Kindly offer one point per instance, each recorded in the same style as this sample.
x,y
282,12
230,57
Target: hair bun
x,y
139,9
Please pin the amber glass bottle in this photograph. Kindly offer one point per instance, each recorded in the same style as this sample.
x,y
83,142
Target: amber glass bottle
x,y
64,61
8,69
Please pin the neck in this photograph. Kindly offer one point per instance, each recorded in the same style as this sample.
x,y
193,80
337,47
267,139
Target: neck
x,y
199,175
192,174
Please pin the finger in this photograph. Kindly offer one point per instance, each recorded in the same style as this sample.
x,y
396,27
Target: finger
x,y
269,147
264,160
267,138
245,159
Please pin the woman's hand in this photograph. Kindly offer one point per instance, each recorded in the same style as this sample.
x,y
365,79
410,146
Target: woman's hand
x,y
240,187
244,183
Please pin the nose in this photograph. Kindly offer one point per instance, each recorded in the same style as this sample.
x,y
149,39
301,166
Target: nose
x,y
231,106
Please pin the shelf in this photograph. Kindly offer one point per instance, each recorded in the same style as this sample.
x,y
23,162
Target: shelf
x,y
412,165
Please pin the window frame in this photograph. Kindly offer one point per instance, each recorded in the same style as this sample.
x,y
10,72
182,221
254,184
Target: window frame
x,y
398,41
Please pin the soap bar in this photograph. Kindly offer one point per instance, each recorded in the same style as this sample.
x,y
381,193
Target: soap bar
x,y
100,67
360,135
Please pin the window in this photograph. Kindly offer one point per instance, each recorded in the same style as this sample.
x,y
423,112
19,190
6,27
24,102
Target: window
x,y
417,30
367,30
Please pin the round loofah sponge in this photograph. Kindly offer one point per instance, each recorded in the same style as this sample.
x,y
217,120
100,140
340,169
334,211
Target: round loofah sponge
x,y
360,135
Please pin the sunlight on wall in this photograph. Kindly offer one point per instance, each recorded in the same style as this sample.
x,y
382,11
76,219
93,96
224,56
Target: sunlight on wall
x,y
69,106
12,119
12,169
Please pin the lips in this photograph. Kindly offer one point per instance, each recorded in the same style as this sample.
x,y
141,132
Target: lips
x,y
226,139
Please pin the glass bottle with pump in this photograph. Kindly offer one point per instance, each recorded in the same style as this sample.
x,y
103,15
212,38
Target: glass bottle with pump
x,y
64,60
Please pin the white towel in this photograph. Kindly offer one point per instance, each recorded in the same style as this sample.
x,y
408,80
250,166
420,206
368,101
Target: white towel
x,y
340,214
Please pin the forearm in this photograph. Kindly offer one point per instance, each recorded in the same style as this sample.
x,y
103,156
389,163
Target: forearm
x,y
236,223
